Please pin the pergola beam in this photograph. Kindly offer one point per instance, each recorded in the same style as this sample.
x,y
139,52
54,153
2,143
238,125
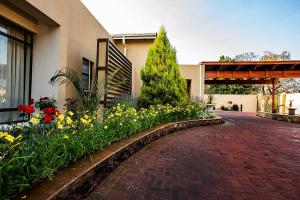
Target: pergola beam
x,y
253,74
248,82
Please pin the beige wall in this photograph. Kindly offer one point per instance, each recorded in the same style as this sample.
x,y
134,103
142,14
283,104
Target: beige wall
x,y
64,44
196,75
19,17
249,102
137,51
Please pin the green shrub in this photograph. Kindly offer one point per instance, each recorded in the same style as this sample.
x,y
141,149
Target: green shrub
x,y
31,153
162,83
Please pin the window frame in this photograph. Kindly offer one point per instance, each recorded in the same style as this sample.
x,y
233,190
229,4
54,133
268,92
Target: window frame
x,y
90,75
27,42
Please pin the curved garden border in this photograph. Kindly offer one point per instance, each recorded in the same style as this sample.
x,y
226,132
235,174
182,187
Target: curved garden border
x,y
79,179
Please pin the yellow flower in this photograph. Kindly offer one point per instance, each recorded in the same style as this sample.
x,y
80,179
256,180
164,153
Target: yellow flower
x,y
66,137
84,121
10,138
3,134
69,120
61,117
33,120
71,113
105,127
37,115
60,126
86,116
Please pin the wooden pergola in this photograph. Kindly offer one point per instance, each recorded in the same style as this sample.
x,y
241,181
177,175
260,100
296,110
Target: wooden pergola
x,y
251,72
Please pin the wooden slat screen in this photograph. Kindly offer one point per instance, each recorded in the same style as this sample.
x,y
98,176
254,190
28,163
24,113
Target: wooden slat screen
x,y
115,61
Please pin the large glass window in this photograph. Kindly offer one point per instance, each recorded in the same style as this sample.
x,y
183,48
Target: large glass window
x,y
15,70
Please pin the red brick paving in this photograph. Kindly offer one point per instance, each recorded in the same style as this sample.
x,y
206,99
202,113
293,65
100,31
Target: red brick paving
x,y
246,158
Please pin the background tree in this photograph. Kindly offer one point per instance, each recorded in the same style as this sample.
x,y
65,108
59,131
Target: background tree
x,y
270,56
247,56
162,82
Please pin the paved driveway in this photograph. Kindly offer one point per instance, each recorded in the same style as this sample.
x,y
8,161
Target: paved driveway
x,y
246,158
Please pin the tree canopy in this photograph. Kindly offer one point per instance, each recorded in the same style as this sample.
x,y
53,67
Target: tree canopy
x,y
162,82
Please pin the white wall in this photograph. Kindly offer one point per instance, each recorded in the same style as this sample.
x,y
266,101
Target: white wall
x,y
249,102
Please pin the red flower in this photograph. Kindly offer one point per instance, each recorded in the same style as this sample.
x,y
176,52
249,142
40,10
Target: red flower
x,y
29,109
49,110
45,98
47,118
31,101
21,107
56,112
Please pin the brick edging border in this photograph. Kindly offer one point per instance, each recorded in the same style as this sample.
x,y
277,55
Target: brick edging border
x,y
89,177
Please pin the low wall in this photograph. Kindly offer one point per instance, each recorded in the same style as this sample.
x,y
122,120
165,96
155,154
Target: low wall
x,y
280,117
249,102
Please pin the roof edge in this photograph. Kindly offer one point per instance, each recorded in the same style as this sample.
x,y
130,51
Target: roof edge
x,y
134,36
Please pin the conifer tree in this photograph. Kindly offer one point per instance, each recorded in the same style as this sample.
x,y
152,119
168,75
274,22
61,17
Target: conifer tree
x,y
162,82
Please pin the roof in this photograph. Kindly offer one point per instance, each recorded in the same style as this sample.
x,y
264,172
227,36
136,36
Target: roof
x,y
135,36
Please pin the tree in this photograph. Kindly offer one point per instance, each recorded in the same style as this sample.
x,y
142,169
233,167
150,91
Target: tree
x,y
230,89
270,56
226,59
283,85
247,56
162,82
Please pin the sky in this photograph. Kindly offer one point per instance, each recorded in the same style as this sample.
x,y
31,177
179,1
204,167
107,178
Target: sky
x,y
203,30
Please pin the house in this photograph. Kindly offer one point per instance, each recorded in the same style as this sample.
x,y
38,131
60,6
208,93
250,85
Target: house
x,y
39,37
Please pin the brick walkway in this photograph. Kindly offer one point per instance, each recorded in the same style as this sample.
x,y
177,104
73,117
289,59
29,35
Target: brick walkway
x,y
246,158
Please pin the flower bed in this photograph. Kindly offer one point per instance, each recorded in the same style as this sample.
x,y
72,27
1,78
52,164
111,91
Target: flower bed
x,y
37,151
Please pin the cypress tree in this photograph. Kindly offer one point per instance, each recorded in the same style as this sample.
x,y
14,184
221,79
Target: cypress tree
x,y
162,82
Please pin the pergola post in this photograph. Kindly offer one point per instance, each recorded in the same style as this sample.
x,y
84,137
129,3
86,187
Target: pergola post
x,y
273,96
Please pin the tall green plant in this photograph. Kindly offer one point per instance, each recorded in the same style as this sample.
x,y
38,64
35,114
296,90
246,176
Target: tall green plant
x,y
162,82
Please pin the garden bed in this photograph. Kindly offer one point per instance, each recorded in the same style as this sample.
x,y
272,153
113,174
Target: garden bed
x,y
280,117
37,151
79,179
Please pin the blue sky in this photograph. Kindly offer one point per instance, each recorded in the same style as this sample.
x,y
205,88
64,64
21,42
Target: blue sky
x,y
202,30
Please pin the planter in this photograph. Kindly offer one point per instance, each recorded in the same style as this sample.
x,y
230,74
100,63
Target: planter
x,y
292,111
210,107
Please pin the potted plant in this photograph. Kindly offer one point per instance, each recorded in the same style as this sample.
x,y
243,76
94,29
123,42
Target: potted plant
x,y
210,105
292,110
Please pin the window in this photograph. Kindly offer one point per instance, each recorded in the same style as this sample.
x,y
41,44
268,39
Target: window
x,y
15,70
188,87
86,75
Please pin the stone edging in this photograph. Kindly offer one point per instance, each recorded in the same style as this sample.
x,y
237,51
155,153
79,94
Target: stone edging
x,y
79,179
279,117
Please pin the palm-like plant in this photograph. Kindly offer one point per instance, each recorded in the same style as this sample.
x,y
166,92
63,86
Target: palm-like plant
x,y
88,100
